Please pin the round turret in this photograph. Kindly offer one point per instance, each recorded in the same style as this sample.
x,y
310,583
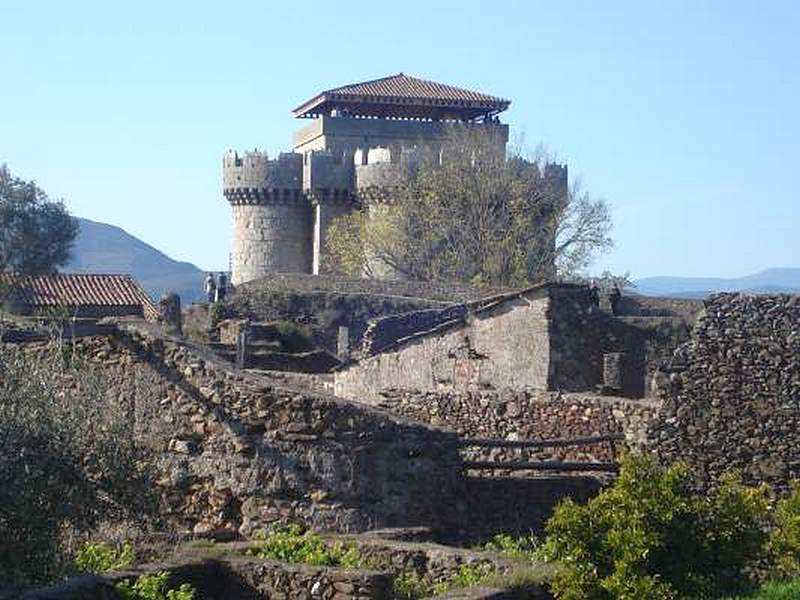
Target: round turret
x,y
271,216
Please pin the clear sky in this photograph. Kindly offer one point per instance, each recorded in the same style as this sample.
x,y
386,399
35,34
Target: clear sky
x,y
684,115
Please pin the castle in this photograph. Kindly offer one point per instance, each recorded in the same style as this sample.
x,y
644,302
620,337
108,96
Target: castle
x,y
361,140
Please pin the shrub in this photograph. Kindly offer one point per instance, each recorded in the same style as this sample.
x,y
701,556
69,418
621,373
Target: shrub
x,y
293,337
294,544
68,460
153,587
519,548
784,543
647,536
408,585
465,576
100,558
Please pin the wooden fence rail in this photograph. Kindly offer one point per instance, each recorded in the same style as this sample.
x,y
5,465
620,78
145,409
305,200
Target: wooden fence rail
x,y
580,441
551,465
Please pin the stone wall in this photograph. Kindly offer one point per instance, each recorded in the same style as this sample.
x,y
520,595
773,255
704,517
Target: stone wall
x,y
732,400
530,415
274,236
237,453
546,338
506,345
226,572
322,310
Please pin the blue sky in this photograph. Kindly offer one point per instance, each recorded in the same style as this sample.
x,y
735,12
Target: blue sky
x,y
682,114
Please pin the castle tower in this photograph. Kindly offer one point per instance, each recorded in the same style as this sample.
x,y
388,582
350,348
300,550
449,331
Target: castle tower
x,y
271,215
358,134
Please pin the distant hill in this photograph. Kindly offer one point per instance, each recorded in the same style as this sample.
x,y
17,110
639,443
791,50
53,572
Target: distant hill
x,y
102,248
769,281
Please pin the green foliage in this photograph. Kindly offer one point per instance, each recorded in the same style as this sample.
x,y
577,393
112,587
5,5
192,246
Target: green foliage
x,y
408,585
293,543
68,460
465,576
784,542
519,548
773,590
154,587
36,233
292,337
647,536
97,557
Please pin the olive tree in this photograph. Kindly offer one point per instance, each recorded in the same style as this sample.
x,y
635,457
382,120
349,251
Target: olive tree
x,y
36,233
473,213
68,459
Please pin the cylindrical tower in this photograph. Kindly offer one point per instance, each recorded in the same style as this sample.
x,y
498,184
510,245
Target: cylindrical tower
x,y
271,215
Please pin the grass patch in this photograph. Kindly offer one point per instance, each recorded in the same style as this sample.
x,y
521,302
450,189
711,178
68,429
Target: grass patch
x,y
774,590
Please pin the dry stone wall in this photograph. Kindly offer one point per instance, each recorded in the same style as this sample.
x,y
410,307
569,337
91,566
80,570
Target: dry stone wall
x,y
732,400
531,415
237,453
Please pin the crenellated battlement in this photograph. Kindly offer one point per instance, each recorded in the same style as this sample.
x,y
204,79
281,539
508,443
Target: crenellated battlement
x,y
252,177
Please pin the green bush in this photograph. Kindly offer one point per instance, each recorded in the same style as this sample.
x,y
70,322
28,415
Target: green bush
x,y
465,576
408,585
784,543
647,536
518,548
153,587
292,337
96,557
294,544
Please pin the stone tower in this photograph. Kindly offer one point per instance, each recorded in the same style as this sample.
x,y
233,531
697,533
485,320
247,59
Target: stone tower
x,y
360,140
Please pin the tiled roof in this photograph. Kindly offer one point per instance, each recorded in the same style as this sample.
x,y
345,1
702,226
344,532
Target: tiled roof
x,y
404,86
78,290
406,90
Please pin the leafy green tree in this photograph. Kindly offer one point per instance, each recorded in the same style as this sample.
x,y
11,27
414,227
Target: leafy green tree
x,y
36,233
476,214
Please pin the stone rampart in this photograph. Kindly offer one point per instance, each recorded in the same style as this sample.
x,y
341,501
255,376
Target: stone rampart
x,y
732,400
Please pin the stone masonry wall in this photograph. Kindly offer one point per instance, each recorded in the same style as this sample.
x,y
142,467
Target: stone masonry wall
x,y
733,397
237,453
530,415
324,311
506,346
271,237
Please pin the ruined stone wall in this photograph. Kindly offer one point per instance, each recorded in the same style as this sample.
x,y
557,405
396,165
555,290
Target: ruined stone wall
x,y
237,453
323,310
733,397
506,346
530,415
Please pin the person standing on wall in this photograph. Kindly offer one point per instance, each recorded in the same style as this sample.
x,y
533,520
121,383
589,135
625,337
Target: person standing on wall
x,y
210,288
222,287
594,295
614,298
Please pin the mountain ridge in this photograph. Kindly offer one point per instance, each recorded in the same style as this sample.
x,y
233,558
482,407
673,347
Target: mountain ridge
x,y
773,280
105,248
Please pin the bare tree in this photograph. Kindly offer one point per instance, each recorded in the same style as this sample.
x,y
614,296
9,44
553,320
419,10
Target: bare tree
x,y
477,215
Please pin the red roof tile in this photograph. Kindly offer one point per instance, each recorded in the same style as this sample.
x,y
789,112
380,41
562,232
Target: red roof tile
x,y
79,290
404,89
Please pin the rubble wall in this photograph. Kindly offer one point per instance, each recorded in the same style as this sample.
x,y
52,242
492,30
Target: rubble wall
x,y
732,399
